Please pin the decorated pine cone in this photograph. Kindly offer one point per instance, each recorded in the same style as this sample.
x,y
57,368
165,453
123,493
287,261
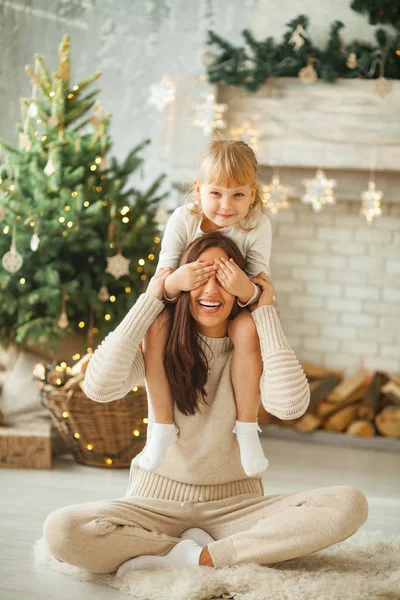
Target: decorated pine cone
x,y
57,378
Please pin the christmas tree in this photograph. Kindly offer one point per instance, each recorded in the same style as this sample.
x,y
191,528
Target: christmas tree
x,y
77,244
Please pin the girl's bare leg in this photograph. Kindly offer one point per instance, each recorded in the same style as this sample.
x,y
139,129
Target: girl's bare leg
x,y
164,431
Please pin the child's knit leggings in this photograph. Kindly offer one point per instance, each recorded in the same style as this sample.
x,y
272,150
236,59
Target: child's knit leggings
x,y
248,527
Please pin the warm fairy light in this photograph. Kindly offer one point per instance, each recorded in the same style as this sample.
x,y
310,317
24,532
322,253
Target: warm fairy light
x,y
136,432
135,389
89,349
59,368
93,167
128,290
1,181
43,377
58,381
151,257
139,269
95,330
81,324
89,447
398,52
67,208
141,261
68,369
77,436
12,187
44,138
65,414
97,160
125,219
52,94
76,357
63,365
18,217
70,96
105,203
6,229
107,317
124,210
145,420
65,233
109,461
76,87
99,188
157,240
143,277
112,244
86,204
61,219
112,298
32,223
22,280
74,194
70,223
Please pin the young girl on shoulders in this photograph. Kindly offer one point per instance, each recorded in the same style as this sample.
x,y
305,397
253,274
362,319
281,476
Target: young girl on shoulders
x,y
225,197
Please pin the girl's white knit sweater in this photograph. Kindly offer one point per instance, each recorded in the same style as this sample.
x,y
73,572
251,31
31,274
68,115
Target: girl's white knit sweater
x,y
204,463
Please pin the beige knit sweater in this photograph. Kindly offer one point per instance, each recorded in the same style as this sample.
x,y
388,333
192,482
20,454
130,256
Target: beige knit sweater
x,y
205,461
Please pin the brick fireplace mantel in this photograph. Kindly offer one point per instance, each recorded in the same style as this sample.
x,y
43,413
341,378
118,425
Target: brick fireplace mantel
x,y
342,127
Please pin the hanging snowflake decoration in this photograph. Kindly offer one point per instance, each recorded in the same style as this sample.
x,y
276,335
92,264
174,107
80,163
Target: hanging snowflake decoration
x,y
371,202
246,133
118,265
162,93
319,191
275,195
209,114
297,37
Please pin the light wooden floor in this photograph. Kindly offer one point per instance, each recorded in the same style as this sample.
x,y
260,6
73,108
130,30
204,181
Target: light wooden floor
x,y
28,496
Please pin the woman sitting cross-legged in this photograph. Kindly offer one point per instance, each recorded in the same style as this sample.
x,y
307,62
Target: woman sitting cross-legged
x,y
199,507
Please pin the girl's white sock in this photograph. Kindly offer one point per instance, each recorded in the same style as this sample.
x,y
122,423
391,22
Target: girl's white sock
x,y
186,552
162,436
251,452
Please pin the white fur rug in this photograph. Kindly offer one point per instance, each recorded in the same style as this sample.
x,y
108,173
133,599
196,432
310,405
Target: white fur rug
x,y
363,567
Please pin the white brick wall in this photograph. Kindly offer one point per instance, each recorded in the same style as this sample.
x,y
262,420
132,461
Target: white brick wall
x,y
337,281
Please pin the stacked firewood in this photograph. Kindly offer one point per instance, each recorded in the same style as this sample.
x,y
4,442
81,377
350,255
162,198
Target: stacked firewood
x,y
364,403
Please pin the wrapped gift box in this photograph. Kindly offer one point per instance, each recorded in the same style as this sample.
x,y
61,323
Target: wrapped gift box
x,y
25,444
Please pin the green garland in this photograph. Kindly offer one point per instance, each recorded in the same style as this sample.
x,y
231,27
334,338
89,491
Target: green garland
x,y
251,65
379,11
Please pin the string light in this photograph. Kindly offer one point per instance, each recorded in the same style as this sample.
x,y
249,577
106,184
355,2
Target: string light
x,y
69,224
74,194
135,389
125,219
70,96
32,223
93,167
107,317
81,324
6,229
86,204
52,94
128,290
76,435
76,87
22,280
141,261
157,240
97,160
61,219
151,257
136,432
76,357
44,138
65,414
67,208
112,298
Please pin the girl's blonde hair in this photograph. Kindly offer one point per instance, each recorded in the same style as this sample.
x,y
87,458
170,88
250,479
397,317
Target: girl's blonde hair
x,y
228,163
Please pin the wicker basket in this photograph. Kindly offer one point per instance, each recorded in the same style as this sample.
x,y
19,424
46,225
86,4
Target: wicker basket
x,y
99,434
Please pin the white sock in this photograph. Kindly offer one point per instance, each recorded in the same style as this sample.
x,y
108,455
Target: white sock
x,y
251,452
186,552
162,436
198,535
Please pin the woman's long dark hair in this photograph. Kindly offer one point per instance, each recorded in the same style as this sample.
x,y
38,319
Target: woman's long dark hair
x,y
185,363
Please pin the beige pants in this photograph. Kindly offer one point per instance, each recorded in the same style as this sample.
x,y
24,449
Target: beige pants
x,y
100,536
